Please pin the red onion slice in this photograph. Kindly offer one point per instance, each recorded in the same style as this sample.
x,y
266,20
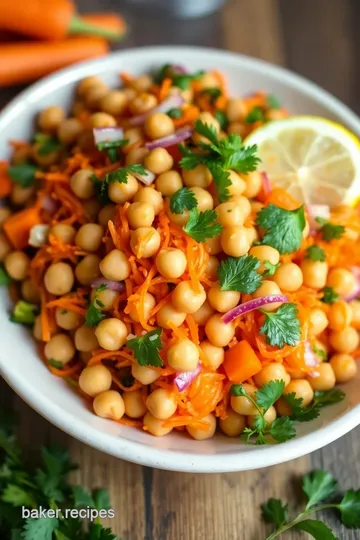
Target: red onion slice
x,y
117,286
179,136
185,378
147,178
266,183
108,134
311,360
251,305
356,292
172,102
49,204
177,68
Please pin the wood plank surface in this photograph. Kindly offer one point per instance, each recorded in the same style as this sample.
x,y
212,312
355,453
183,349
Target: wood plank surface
x,y
318,39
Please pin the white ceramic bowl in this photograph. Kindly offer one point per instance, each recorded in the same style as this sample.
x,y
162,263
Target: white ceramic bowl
x,y
50,396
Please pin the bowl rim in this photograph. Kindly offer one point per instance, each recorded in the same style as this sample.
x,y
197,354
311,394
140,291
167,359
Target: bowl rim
x,y
141,453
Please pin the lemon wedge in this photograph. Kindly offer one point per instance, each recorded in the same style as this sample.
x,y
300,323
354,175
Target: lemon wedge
x,y
314,159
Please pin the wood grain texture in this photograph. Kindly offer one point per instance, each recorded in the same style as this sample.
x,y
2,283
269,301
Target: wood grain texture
x,y
318,39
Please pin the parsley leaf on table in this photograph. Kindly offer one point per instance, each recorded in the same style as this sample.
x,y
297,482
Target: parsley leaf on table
x,y
239,274
146,348
317,529
349,508
35,529
270,268
23,174
329,295
282,326
274,511
202,225
315,253
283,228
94,314
318,486
5,279
182,199
82,497
330,231
24,313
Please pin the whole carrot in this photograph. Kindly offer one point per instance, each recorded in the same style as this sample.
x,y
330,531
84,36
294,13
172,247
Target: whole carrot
x,y
46,19
112,22
24,62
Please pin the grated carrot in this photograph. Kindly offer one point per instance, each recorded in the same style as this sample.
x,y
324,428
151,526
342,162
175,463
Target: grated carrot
x,y
190,114
164,88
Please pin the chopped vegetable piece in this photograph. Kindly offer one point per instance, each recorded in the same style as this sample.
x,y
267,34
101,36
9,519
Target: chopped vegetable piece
x,y
330,231
222,119
24,313
175,112
329,296
202,225
23,174
241,362
213,93
255,115
47,144
146,348
17,227
182,199
5,279
94,314
315,253
251,305
283,227
281,327
239,274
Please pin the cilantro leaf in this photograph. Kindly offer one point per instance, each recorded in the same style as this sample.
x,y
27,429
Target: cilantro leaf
x,y
175,113
283,227
317,529
182,199
330,231
82,497
321,399
320,352
18,496
236,156
55,363
209,132
221,179
270,268
238,390
269,393
23,174
146,348
121,175
255,115
35,529
98,532
315,253
101,499
183,80
101,190
239,274
318,486
5,279
273,102
274,511
24,313
213,93
329,295
282,326
190,160
328,397
222,119
350,508
202,225
282,429
47,144
111,147
94,314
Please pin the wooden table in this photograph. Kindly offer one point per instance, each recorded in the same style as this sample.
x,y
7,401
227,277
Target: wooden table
x,y
319,39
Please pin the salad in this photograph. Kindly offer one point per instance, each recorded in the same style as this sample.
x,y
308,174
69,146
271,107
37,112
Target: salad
x,y
173,271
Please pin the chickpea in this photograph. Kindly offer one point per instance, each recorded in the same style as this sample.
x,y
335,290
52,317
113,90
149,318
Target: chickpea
x,y
282,407
186,299
30,291
158,161
5,247
142,83
114,103
201,434
318,321
212,267
135,156
272,372
21,155
89,82
238,185
20,195
234,241
85,339
355,309
251,234
161,404
106,297
238,128
150,196
203,314
143,374
233,425
342,281
208,119
270,417
37,329
168,183
109,404
94,380
230,214
266,288
5,213
60,348
86,141
183,355
200,176
121,193
158,125
219,333
214,355
133,135
155,426
101,120
344,341
235,109
314,273
324,379
63,232
179,219
111,334
69,131
67,320
140,214
203,198
145,242
289,277
171,262
244,203
115,266
265,253
134,404
82,185
89,237
142,103
50,118
17,265
149,304
168,316
302,389
94,96
208,80
88,269
106,214
92,208
253,181
340,315
344,367
222,301
241,404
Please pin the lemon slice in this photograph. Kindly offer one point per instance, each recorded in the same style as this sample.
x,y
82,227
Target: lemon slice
x,y
315,160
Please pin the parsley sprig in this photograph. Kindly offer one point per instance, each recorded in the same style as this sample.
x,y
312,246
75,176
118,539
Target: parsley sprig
x,y
202,225
329,295
47,144
5,279
321,399
220,156
239,274
282,326
23,174
319,488
283,228
146,348
181,80
270,268
119,175
315,253
111,147
94,314
182,199
330,231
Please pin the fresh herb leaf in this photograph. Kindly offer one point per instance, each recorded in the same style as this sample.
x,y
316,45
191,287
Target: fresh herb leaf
x,y
121,175
202,225
315,253
175,113
317,529
5,279
23,174
18,496
146,348
269,394
318,486
24,313
55,364
321,399
101,190
94,314
282,326
222,119
270,268
329,295
239,274
190,159
283,227
320,352
111,147
255,115
101,499
274,511
183,81
182,199
350,508
330,231
273,102
328,397
213,93
47,144
35,529
82,497
221,179
282,429
127,380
